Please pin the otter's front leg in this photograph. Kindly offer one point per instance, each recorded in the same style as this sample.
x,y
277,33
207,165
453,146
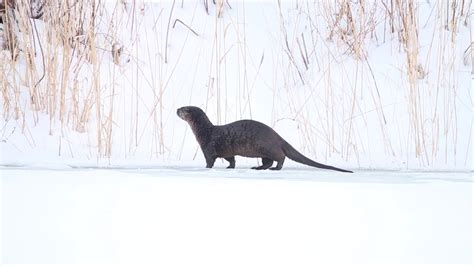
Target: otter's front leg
x,y
210,155
210,162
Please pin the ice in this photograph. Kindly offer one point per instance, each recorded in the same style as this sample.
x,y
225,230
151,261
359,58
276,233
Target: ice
x,y
189,215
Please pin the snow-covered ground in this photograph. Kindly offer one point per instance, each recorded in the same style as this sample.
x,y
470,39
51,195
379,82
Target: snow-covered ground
x,y
195,216
289,64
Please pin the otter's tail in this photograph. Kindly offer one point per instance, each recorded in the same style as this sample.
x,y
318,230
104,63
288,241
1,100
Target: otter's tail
x,y
293,154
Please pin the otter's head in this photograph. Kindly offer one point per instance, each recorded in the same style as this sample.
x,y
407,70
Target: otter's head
x,y
190,113
194,116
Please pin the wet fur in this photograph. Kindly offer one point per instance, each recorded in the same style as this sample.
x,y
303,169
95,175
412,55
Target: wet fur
x,y
246,138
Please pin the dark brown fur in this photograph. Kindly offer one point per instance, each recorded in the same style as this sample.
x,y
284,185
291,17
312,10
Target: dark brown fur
x,y
246,138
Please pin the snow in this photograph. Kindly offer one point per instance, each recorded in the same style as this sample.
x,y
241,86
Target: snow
x,y
238,68
151,201
189,215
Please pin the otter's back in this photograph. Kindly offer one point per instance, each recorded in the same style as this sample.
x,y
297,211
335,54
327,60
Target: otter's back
x,y
246,138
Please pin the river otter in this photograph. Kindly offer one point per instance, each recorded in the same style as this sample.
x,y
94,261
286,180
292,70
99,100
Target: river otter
x,y
246,138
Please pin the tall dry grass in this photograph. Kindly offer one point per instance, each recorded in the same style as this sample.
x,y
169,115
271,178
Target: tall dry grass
x,y
50,66
354,27
50,58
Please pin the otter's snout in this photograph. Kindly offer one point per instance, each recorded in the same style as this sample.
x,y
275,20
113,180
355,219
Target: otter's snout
x,y
181,112
190,113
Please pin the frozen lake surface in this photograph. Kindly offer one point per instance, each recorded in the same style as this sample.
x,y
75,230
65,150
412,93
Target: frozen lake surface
x,y
195,216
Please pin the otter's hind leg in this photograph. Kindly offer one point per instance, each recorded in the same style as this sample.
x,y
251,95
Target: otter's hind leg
x,y
279,164
266,163
231,160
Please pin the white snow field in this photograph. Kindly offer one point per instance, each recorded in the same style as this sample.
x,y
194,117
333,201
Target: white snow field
x,y
352,84
195,216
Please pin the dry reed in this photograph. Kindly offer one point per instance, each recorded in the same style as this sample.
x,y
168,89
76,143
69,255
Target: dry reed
x,y
62,58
